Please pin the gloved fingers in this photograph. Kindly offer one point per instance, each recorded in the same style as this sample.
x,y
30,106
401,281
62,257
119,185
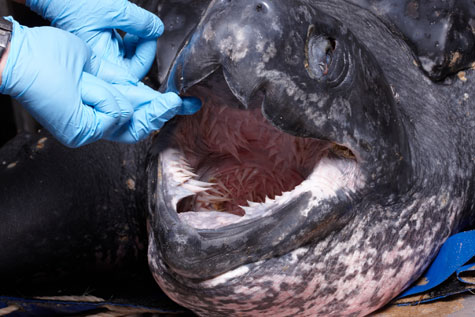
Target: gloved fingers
x,y
190,105
115,74
140,54
149,118
89,129
142,94
139,95
132,19
106,100
104,43
130,44
109,72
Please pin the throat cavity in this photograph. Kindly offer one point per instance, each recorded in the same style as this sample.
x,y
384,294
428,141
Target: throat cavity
x,y
233,158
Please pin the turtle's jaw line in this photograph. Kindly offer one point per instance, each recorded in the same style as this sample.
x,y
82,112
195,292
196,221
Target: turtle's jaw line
x,y
329,176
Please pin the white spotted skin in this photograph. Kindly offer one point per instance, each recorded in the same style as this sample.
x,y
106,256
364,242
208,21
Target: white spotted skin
x,y
236,45
351,272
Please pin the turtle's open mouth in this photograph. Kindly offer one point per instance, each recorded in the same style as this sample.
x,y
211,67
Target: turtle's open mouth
x,y
227,164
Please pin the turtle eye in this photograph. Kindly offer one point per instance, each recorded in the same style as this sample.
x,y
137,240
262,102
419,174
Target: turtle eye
x,y
328,56
320,51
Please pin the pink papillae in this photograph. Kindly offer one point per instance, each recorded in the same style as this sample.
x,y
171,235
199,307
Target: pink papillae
x,y
244,156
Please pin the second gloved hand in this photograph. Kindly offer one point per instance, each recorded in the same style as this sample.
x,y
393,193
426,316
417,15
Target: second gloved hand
x,y
46,71
95,21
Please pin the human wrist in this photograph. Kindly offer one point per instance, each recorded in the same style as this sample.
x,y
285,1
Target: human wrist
x,y
6,30
3,61
15,72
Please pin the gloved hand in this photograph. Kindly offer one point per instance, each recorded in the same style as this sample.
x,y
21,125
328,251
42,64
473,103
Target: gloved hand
x,y
152,110
46,71
95,21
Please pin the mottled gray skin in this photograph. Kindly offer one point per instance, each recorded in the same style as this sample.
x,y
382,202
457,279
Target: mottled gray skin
x,y
414,146
441,33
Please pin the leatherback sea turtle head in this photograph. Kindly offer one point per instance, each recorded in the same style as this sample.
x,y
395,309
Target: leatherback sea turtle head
x,y
305,183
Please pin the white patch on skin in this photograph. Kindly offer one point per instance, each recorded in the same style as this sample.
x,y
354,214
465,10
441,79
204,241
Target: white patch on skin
x,y
208,33
236,45
275,25
244,290
260,46
283,80
208,219
318,119
427,63
315,98
296,254
226,46
340,110
223,278
152,260
270,53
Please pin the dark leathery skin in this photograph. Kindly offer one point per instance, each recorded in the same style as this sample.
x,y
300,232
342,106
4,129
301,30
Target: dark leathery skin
x,y
70,218
404,215
441,33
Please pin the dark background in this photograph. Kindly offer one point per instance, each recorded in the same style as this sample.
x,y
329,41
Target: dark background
x,y
13,118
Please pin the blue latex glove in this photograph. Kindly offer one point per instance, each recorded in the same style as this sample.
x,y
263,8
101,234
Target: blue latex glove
x,y
46,71
152,110
95,21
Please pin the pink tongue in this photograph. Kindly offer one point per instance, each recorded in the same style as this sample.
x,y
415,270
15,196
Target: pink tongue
x,y
251,178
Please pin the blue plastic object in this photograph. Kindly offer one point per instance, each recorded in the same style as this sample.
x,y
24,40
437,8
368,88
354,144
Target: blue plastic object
x,y
452,257
464,269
